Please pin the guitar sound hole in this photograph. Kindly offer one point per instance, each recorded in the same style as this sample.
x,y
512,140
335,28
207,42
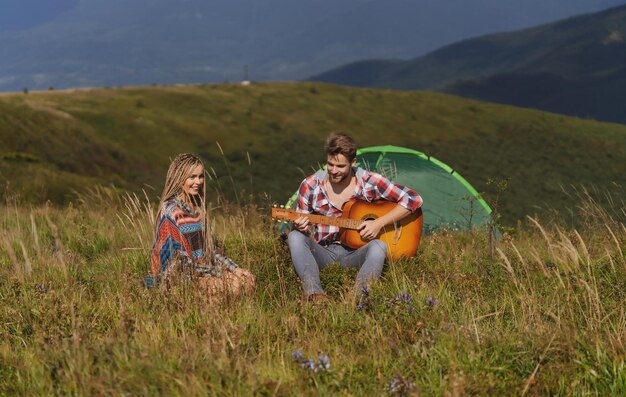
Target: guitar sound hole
x,y
369,217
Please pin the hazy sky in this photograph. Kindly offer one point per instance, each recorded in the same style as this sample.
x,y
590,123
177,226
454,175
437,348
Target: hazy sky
x,y
23,14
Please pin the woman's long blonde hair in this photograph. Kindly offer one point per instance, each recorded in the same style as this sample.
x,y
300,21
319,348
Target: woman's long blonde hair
x,y
178,172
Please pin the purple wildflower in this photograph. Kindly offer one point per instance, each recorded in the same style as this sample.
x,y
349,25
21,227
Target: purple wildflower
x,y
403,297
324,362
364,299
400,300
401,386
322,365
431,301
297,354
393,385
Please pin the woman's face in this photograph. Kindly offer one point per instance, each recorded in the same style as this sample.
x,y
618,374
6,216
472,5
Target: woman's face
x,y
195,181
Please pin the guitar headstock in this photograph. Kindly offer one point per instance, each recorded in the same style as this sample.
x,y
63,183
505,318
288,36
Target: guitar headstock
x,y
282,216
280,213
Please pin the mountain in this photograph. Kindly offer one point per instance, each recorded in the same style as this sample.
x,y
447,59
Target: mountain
x,y
270,135
141,42
576,66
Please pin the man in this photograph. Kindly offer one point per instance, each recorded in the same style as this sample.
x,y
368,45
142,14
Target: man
x,y
324,193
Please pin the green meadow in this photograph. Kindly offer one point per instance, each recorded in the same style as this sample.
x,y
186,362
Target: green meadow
x,y
261,140
538,312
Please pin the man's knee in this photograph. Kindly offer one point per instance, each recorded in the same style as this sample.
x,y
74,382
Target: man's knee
x,y
297,239
296,235
378,248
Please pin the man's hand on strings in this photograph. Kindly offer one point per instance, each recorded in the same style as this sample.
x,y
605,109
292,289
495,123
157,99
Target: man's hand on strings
x,y
369,230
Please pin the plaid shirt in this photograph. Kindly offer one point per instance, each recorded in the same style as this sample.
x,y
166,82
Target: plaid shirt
x,y
370,186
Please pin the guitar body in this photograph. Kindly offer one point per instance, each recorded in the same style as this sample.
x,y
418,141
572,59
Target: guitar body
x,y
402,239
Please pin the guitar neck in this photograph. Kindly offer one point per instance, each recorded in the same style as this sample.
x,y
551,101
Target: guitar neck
x,y
291,215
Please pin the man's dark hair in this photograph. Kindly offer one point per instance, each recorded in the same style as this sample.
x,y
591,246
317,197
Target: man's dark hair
x,y
340,143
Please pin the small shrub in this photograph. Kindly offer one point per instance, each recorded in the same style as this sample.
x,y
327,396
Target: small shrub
x,y
21,157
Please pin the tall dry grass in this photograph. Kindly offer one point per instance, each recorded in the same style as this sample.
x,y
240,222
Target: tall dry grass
x,y
544,316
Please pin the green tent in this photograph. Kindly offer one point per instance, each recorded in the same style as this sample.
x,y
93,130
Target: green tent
x,y
449,200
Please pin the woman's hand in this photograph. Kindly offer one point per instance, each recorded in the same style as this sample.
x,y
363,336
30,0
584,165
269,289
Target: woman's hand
x,y
245,280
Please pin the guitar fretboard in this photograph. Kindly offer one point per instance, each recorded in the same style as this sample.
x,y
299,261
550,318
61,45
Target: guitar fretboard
x,y
291,215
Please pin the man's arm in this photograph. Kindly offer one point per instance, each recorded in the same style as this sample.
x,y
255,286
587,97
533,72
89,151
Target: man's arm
x,y
370,229
408,201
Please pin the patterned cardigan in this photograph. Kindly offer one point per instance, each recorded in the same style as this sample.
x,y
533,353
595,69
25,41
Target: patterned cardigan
x,y
180,230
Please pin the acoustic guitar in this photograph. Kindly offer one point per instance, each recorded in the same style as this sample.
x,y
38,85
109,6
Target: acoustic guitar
x,y
402,238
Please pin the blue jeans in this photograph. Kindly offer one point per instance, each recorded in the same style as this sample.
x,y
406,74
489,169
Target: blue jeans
x,y
309,258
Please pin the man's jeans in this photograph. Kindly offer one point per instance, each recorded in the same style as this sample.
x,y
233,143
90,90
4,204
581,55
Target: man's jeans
x,y
309,258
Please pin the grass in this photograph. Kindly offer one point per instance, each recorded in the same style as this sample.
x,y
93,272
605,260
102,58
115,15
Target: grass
x,y
544,315
271,135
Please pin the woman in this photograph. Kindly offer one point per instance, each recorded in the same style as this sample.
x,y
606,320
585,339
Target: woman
x,y
182,234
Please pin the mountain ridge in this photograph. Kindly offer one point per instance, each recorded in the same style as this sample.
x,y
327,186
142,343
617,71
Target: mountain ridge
x,y
581,55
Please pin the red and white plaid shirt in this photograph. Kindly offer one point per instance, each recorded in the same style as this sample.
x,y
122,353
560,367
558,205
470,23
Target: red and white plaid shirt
x,y
370,186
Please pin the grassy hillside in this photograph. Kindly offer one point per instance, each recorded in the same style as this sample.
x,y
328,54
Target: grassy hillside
x,y
271,135
544,316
